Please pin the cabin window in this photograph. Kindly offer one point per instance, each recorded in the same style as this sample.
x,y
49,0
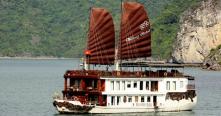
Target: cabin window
x,y
118,100
125,99
128,84
89,84
118,85
181,84
112,100
141,85
93,99
94,83
147,85
174,85
136,98
76,83
142,99
168,85
148,98
135,84
129,99
154,85
123,85
112,85
104,99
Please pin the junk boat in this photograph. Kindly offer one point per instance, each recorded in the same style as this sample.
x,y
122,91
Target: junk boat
x,y
124,84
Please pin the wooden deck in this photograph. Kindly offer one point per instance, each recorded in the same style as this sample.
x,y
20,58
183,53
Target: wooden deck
x,y
96,74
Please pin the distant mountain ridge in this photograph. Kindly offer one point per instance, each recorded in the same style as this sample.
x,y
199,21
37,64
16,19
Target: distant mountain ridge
x,y
58,28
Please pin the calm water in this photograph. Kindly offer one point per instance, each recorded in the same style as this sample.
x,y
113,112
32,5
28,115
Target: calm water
x,y
27,86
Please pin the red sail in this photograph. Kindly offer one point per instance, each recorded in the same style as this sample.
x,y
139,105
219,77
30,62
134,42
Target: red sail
x,y
101,38
135,39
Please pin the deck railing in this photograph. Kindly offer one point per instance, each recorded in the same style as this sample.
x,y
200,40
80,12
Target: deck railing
x,y
159,73
89,89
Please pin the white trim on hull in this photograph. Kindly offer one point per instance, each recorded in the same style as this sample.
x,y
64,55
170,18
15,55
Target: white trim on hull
x,y
170,106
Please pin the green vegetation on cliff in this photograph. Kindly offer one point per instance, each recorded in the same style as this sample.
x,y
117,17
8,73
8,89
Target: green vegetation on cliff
x,y
59,27
215,55
213,60
166,26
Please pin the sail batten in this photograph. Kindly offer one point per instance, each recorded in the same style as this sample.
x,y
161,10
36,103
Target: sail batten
x,y
100,48
104,35
135,39
141,44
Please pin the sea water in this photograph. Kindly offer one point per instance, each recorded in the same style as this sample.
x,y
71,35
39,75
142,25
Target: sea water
x,y
27,87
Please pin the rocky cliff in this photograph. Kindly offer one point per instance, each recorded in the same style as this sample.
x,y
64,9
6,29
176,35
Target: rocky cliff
x,y
200,31
213,60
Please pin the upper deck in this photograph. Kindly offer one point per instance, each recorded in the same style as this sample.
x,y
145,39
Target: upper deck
x,y
160,71
124,74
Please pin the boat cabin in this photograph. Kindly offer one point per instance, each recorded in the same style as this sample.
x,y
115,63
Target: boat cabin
x,y
133,88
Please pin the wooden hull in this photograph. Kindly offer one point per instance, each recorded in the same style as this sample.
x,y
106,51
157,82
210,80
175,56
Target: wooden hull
x,y
169,106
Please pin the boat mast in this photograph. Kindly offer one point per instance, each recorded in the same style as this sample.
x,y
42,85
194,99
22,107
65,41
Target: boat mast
x,y
117,59
87,53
